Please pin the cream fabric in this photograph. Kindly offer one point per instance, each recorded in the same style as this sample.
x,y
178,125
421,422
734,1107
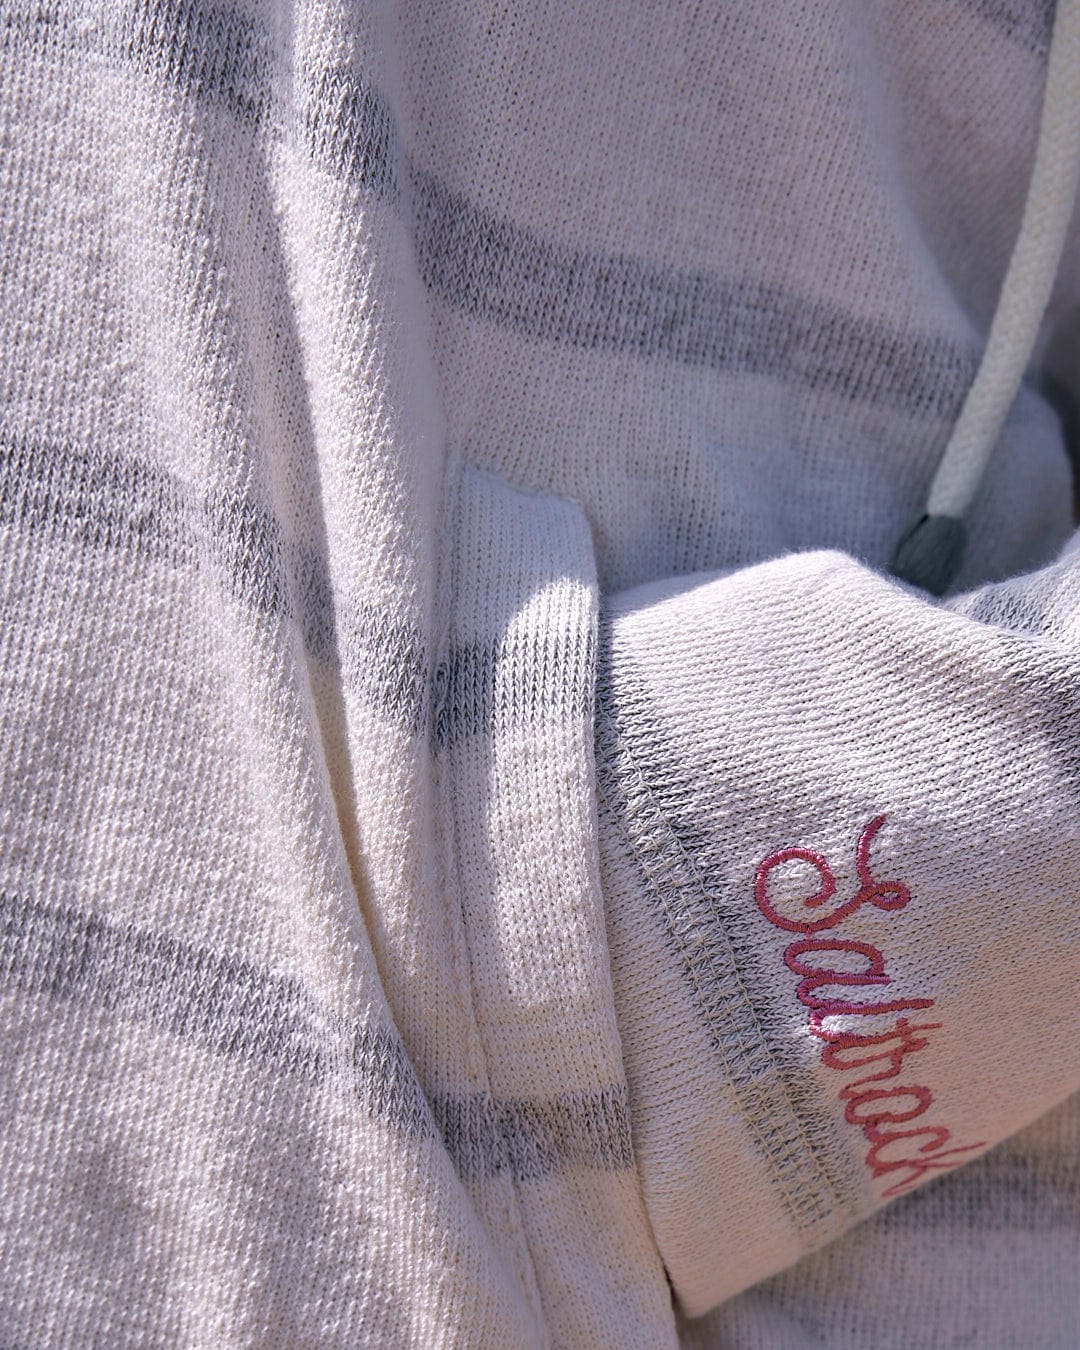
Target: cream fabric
x,y
360,366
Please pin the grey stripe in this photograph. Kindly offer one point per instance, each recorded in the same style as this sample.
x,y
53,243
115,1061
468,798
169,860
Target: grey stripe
x,y
511,277
1007,1190
535,1139
467,685
223,1003
795,1136
1027,22
208,52
111,501
504,274
238,1010
350,131
212,53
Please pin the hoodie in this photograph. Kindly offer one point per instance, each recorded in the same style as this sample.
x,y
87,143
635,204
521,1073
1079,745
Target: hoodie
x,y
489,854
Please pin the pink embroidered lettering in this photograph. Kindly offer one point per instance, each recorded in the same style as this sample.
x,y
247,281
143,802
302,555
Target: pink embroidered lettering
x,y
886,895
869,1108
833,1056
921,1095
917,1167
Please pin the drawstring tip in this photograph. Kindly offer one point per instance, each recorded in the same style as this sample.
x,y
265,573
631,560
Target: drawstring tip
x,y
929,552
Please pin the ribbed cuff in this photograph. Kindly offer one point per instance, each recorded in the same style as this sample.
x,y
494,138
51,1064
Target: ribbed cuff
x,y
741,1175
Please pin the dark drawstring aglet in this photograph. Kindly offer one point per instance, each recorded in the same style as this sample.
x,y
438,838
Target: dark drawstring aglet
x,y
929,552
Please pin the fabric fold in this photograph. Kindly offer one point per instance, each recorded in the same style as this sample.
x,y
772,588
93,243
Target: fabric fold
x,y
837,834
515,800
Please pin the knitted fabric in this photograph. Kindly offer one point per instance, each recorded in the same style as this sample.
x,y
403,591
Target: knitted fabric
x,y
449,455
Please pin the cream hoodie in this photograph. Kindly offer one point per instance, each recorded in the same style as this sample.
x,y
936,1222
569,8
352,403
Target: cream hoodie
x,y
488,856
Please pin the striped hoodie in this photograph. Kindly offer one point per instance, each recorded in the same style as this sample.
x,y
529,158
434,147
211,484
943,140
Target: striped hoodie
x,y
488,855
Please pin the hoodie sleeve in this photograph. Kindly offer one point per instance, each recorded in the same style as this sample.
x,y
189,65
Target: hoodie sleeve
x,y
839,839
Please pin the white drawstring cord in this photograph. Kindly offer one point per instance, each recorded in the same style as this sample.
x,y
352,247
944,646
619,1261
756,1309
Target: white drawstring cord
x,y
930,550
